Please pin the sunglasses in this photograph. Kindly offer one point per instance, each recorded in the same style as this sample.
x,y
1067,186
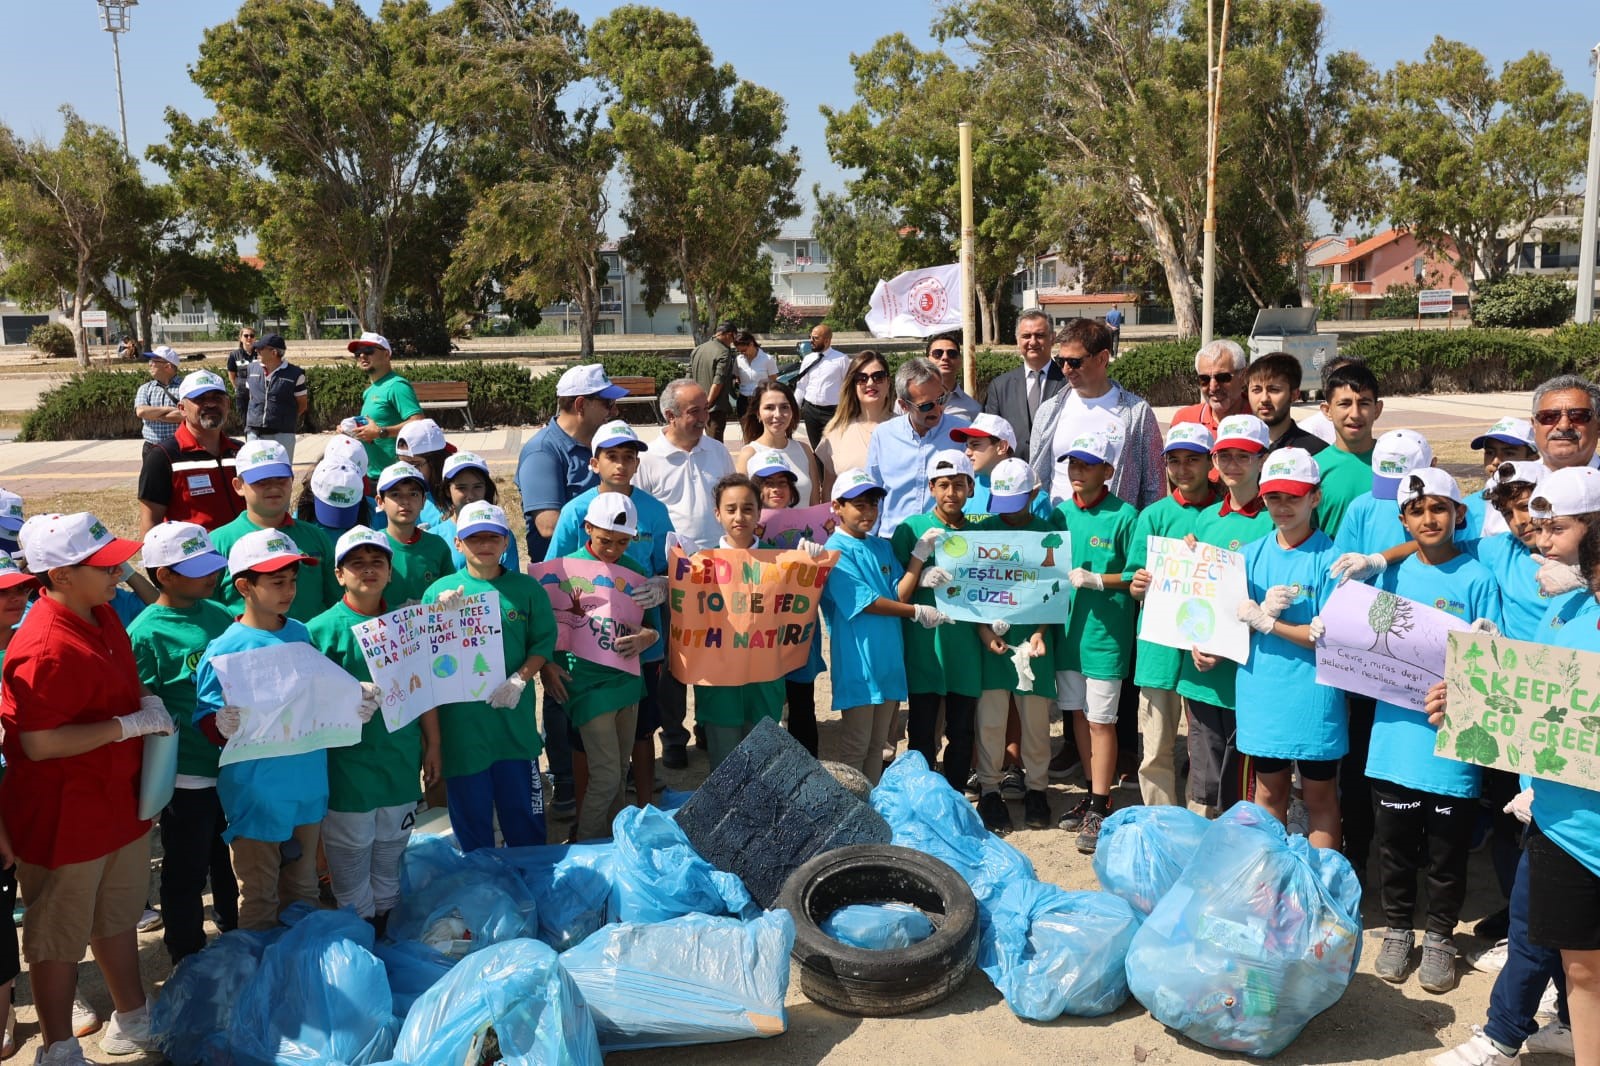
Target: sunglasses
x,y
924,408
876,377
248,336
1578,416
1221,379
945,353
1075,362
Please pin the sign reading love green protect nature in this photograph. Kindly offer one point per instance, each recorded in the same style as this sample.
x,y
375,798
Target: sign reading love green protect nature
x,y
1524,707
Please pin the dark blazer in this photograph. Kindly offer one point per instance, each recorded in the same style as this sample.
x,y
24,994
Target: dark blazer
x,y
1008,398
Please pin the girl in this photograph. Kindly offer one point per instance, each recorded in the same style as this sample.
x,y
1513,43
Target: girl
x,y
467,480
865,401
422,444
333,496
769,425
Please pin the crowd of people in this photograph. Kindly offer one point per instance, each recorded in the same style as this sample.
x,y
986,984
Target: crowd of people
x,y
237,558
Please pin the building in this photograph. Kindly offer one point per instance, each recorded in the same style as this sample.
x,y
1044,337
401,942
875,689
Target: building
x,y
800,269
1364,270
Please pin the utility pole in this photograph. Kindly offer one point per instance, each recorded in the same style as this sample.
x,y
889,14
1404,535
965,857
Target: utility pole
x,y
1208,276
115,21
1584,312
969,330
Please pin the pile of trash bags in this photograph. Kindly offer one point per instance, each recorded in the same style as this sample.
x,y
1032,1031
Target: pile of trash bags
x,y
1142,850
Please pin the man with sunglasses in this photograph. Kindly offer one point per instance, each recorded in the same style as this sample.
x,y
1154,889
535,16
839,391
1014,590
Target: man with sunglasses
x,y
1565,429
821,377
189,477
944,352
1018,394
900,449
1219,368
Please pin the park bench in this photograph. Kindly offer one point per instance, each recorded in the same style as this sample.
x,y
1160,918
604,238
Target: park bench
x,y
641,390
444,396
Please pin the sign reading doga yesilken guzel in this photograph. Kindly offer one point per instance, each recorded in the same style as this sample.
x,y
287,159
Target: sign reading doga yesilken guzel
x,y
1016,577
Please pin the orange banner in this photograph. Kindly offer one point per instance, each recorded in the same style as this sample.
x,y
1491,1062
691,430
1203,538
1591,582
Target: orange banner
x,y
739,617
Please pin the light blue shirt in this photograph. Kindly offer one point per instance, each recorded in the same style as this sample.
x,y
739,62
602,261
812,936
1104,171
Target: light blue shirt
x,y
1522,604
898,460
961,405
446,530
978,502
1371,525
1560,610
1567,814
1477,506
869,659
647,549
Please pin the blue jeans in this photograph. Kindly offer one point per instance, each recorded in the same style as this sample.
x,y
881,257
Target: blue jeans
x,y
1528,970
510,789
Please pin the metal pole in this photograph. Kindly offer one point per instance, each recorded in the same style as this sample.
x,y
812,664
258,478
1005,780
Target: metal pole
x,y
122,112
969,342
1208,275
1584,312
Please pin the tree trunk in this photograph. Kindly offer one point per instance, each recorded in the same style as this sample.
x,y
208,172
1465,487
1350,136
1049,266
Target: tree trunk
x,y
147,329
1302,275
308,322
79,298
694,312
1181,286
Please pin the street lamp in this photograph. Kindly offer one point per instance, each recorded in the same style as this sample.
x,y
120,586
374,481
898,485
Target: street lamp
x,y
114,20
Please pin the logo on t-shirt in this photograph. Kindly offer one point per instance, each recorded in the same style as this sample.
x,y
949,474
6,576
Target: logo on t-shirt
x,y
1096,541
1234,545
1455,607
192,660
512,614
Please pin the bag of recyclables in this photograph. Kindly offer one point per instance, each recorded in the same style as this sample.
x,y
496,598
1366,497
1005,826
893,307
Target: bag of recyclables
x,y
1052,952
1142,850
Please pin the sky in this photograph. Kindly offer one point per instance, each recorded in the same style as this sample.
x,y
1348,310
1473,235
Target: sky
x,y
57,54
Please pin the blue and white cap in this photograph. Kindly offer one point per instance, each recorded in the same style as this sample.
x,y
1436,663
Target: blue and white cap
x,y
337,490
855,482
261,459
616,434
1095,441
465,461
11,516
361,537
481,516
199,383
1010,486
1396,454
1189,437
771,463
185,547
395,473
1507,431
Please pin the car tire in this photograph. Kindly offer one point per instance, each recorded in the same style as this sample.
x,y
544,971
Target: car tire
x,y
861,981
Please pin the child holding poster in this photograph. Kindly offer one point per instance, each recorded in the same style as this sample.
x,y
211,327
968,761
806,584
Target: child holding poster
x,y
863,600
1092,657
491,747
1564,509
372,786
419,557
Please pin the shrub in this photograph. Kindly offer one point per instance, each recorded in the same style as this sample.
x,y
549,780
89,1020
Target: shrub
x,y
1399,301
93,405
1578,347
53,339
1523,301
415,333
1465,360
1161,371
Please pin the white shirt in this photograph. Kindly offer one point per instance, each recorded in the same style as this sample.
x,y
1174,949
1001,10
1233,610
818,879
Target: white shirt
x,y
684,481
821,384
753,372
1318,425
1070,424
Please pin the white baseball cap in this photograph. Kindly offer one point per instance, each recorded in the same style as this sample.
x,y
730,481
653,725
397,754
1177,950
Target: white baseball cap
x,y
950,462
185,547
199,383
771,463
369,340
337,490
260,459
1247,433
855,482
613,511
616,434
1397,453
1507,431
361,537
166,353
78,539
419,438
1010,486
481,516
11,516
1098,441
589,380
1290,470
12,575
465,461
347,450
264,551
1569,491
987,425
1530,471
395,473
1427,481
32,526
1189,437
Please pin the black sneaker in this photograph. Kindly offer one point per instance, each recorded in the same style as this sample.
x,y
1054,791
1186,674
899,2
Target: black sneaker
x,y
995,814
1438,970
1494,927
1089,834
1036,809
675,757
1072,821
565,802
1012,786
1394,957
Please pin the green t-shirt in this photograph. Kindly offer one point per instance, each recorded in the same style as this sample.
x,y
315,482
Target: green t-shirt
x,y
739,705
1345,475
167,645
415,567
384,769
1231,531
596,689
388,401
938,660
997,671
474,736
1100,629
1156,665
316,588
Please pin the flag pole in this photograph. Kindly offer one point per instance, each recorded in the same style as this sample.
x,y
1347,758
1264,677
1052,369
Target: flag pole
x,y
969,331
1208,278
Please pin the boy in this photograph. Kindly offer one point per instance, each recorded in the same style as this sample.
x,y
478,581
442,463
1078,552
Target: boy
x,y
168,639
266,481
11,517
419,558
1092,657
1509,440
988,441
1351,403
1272,385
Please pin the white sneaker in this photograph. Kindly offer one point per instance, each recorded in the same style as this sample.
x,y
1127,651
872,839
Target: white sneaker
x,y
61,1053
1479,1051
127,1034
85,1022
1490,959
1547,1002
1299,817
1553,1038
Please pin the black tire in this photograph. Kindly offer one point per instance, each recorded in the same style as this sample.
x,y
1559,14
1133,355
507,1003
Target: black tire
x,y
856,980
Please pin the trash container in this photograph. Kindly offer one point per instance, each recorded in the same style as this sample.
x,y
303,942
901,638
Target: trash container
x,y
1294,330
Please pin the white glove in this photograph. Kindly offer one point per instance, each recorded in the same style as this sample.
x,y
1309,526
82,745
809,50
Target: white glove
x,y
1022,663
1483,625
228,719
934,576
924,545
1000,627
371,696
1358,566
929,617
509,693
1256,617
151,717
810,547
450,599
1277,600
1317,629
1086,579
653,593
1556,578
1521,806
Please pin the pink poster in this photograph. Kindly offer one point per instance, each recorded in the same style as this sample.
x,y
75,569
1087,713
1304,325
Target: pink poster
x,y
786,527
594,606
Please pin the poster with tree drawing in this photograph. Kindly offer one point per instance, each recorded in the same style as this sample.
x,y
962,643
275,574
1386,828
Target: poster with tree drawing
x,y
1377,644
422,656
594,606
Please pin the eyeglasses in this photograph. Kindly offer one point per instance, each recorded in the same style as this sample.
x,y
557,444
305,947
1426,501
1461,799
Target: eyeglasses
x,y
924,408
945,353
247,336
1075,361
1578,416
1221,379
875,377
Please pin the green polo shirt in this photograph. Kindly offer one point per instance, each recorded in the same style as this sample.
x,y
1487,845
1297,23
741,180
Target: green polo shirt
x,y
938,660
1231,531
316,588
167,645
416,566
388,401
1099,637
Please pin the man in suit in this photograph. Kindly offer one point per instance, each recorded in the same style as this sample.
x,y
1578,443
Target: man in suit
x,y
1017,394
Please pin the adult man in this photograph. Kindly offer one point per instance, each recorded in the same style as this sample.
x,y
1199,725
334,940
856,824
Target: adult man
x,y
554,466
1272,386
277,395
1017,395
239,360
190,477
944,352
1084,347
821,375
156,402
1220,369
898,456
1565,429
387,403
1114,324
712,367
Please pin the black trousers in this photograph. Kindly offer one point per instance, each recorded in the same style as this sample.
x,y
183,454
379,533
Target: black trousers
x,y
193,850
1419,831
1210,729
802,697
673,699
816,418
1355,790
960,713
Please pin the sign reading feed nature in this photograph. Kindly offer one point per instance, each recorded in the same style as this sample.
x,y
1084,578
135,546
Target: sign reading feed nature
x,y
1011,576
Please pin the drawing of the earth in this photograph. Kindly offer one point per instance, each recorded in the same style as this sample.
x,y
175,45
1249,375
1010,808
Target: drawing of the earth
x,y
444,666
1197,620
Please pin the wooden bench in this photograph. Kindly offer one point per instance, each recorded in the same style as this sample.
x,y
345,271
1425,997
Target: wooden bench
x,y
444,396
641,390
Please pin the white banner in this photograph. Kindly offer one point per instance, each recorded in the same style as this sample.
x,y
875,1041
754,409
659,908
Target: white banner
x,y
918,303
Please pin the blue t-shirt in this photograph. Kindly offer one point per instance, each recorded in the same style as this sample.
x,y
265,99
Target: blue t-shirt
x,y
1567,814
430,517
978,502
1560,610
1282,712
1402,739
446,531
264,799
648,548
1516,570
1476,508
1370,525
869,656
552,469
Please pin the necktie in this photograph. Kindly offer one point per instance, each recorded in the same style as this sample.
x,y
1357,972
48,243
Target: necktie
x,y
1035,387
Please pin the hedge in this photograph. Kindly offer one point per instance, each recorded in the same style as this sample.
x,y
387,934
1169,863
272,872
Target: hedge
x,y
1466,360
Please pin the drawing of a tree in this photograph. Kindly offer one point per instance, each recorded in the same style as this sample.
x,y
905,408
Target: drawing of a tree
x,y
575,587
1050,544
1388,616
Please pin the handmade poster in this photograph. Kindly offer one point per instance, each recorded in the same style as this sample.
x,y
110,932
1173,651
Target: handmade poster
x,y
593,603
294,700
738,617
1377,644
422,656
1193,599
1523,707
1011,576
785,527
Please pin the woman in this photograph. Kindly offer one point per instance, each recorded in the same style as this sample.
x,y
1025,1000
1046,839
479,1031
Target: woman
x,y
866,401
754,367
769,424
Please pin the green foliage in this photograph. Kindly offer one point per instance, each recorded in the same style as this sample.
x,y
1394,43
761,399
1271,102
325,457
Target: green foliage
x,y
1160,371
416,331
1399,301
1523,301
1578,347
865,245
53,339
1476,744
1463,360
93,405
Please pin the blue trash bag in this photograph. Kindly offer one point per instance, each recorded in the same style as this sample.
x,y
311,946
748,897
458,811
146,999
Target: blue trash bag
x,y
520,990
1260,934
1142,850
671,799
571,886
197,1000
658,875
925,813
1052,952
878,926
413,968
428,858
319,996
457,903
691,980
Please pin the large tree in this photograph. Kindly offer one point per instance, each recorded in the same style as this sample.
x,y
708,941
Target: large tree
x,y
864,244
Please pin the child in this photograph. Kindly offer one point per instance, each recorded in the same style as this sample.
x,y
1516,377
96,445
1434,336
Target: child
x,y
988,441
1010,506
467,480
1371,523
1507,441
1187,457
15,588
1511,557
862,600
11,517
168,639
1092,657
419,557
1351,403
334,498
603,701
265,479
1286,720
1562,511
1424,803
421,443
490,747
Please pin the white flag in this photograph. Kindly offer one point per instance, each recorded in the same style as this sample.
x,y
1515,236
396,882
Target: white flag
x,y
918,303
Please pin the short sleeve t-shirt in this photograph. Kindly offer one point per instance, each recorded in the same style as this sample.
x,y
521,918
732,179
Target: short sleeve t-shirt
x,y
551,469
1070,424
868,661
316,587
1370,525
414,567
388,401
596,689
1567,814
1099,637
648,548
1345,476
1156,665
999,673
1233,531
1516,572
167,644
939,660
